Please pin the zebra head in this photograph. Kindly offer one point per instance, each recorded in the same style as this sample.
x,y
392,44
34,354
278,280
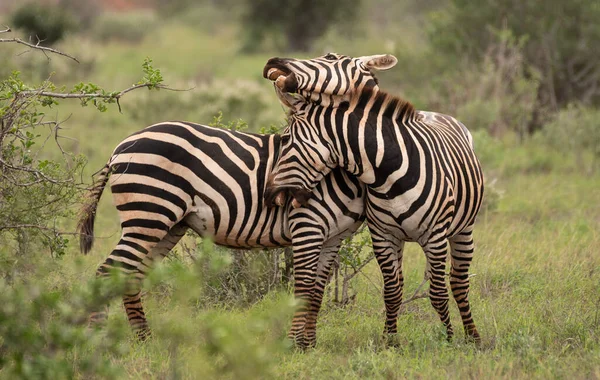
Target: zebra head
x,y
305,157
331,75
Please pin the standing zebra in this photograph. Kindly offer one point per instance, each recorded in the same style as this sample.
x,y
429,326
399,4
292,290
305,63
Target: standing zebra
x,y
424,182
173,176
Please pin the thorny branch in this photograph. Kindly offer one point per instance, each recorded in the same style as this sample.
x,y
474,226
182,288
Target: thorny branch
x,y
37,45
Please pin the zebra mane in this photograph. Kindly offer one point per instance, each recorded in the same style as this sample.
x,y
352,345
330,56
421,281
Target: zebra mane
x,y
391,104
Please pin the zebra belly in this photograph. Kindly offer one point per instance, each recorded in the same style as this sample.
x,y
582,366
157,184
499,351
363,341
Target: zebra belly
x,y
395,218
202,220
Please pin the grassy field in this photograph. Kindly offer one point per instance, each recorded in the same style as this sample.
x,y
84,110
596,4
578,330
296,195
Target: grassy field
x,y
535,294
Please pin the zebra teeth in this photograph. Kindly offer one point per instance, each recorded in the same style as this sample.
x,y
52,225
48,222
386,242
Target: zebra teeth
x,y
275,74
280,82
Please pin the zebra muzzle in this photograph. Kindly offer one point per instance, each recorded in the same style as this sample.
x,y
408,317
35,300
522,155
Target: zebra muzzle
x,y
280,199
274,74
279,196
295,203
275,196
301,197
276,70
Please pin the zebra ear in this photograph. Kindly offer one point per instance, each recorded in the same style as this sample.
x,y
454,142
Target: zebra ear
x,y
379,62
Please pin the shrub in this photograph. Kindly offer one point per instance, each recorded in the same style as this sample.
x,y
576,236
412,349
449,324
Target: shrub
x,y
575,131
355,253
234,277
44,334
498,94
557,39
44,22
40,183
300,23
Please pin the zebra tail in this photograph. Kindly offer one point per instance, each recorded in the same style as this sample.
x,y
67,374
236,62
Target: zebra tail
x,y
85,227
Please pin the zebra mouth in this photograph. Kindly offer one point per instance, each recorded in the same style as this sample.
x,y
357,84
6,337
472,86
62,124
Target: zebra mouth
x,y
276,71
278,196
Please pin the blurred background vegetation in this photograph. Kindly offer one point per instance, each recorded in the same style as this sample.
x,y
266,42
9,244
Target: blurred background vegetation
x,y
524,77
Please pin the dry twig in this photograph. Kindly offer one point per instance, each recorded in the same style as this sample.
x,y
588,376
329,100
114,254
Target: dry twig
x,y
418,295
37,46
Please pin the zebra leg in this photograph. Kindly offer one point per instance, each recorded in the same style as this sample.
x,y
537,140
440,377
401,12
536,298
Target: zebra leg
x,y
127,257
436,253
326,259
306,258
462,249
387,257
133,302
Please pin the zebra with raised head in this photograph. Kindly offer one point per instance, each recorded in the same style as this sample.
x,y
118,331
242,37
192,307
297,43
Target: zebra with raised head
x,y
173,176
424,182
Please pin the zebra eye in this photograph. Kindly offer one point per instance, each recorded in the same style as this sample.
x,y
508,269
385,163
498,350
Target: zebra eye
x,y
285,139
330,57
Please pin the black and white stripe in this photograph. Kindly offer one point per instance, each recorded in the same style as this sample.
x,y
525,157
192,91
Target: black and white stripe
x,y
424,182
173,176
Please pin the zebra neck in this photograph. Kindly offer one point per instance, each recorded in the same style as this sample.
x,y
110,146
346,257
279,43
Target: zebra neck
x,y
374,103
377,140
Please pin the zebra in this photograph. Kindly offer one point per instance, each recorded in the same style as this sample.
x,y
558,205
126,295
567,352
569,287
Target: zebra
x,y
424,182
173,176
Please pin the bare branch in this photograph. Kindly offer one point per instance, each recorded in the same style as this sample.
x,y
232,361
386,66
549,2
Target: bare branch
x,y
418,294
37,46
358,269
36,173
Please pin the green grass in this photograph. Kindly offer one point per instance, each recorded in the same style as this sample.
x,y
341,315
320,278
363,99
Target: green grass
x,y
535,298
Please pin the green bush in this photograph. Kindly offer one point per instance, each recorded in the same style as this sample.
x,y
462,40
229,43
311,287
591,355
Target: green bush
x,y
232,277
44,22
232,342
498,94
44,333
575,131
